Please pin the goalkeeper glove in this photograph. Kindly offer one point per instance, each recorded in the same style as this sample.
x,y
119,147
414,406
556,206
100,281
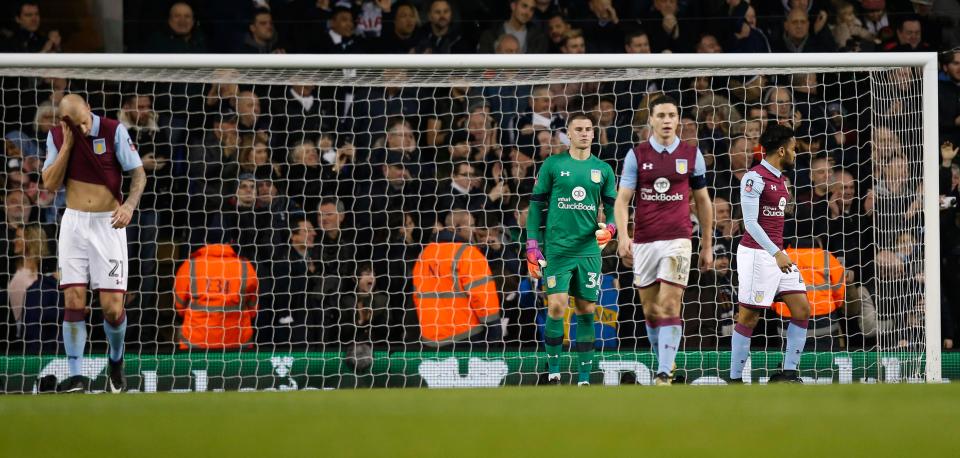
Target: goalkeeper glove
x,y
605,234
535,260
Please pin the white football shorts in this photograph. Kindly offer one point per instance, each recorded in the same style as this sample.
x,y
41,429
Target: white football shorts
x,y
761,280
91,252
666,261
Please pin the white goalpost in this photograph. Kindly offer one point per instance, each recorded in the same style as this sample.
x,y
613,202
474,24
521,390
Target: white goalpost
x,y
333,173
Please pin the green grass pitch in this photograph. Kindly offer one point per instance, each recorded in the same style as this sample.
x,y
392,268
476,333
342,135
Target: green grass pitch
x,y
774,421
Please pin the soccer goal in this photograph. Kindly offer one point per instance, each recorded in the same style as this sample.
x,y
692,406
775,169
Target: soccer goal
x,y
333,174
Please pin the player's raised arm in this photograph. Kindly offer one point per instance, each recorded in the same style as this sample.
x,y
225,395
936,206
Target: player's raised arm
x,y
621,208
55,166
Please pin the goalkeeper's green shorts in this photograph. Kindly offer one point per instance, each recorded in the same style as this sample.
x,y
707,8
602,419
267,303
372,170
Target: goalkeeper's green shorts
x,y
579,277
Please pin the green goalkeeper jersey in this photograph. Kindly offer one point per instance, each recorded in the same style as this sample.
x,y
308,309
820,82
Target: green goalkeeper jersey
x,y
571,192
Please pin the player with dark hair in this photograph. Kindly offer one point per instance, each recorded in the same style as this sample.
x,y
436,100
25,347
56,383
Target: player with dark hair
x,y
764,270
87,154
571,186
661,174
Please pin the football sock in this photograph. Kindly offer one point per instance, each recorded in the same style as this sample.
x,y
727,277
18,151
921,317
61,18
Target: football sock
x,y
115,335
553,335
741,350
652,336
796,339
585,338
74,339
671,330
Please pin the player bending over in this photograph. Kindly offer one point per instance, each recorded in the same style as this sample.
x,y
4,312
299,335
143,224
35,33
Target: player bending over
x,y
661,173
87,154
763,269
570,187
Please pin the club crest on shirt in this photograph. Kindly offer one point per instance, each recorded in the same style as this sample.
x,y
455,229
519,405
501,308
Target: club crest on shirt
x,y
748,186
99,146
551,282
595,176
758,296
681,166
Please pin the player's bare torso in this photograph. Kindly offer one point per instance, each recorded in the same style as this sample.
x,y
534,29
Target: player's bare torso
x,y
89,197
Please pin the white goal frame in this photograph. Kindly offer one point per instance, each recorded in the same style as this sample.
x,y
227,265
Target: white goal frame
x,y
31,63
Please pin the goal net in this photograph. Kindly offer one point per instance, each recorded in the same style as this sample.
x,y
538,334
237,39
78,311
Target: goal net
x,y
334,176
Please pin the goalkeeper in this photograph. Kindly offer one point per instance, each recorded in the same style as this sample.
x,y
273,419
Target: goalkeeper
x,y
570,187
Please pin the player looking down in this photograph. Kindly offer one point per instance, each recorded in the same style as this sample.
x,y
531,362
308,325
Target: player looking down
x,y
662,173
87,154
764,270
571,186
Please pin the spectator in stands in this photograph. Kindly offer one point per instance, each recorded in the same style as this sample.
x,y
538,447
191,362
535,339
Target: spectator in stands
x,y
286,307
341,38
463,191
933,23
401,38
396,190
44,120
728,228
726,181
336,245
909,37
307,178
441,36
181,34
637,42
799,36
239,220
603,29
371,16
532,39
216,294
257,159
27,37
470,317
813,201
949,98
876,20
614,139
371,316
666,31
221,99
849,32
383,110
556,26
708,44
851,233
30,248
214,164
298,113
574,43
261,38
153,144
506,44
249,119
745,36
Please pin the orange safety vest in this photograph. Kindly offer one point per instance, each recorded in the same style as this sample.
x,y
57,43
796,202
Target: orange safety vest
x,y
824,276
454,292
216,293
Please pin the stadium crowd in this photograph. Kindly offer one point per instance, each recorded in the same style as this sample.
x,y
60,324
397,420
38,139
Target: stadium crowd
x,y
333,191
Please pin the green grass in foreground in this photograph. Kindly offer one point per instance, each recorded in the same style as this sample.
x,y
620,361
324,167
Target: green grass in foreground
x,y
808,421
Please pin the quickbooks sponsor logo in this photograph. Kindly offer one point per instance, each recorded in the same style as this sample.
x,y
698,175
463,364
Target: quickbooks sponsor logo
x,y
661,197
565,203
772,211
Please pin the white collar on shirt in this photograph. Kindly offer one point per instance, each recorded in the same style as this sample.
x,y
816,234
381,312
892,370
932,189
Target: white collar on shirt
x,y
336,37
95,126
661,148
770,167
